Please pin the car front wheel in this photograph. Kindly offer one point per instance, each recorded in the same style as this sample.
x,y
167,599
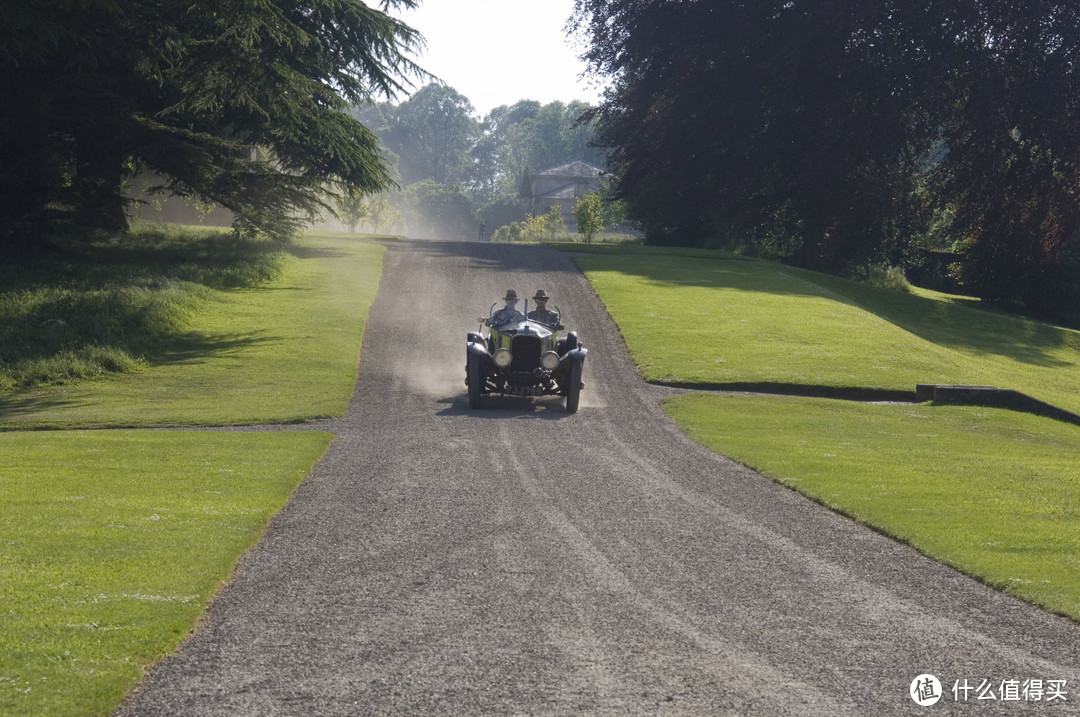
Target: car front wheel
x,y
573,388
474,373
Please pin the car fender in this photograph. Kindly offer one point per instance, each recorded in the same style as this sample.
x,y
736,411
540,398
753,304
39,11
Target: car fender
x,y
477,348
577,354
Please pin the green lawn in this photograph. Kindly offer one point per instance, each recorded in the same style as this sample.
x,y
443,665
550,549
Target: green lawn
x,y
700,319
281,351
993,492
113,542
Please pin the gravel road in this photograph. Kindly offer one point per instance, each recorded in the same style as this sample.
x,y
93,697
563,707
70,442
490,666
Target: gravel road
x,y
521,560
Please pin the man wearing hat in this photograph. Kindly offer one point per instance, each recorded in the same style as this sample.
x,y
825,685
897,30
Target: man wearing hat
x,y
509,313
541,312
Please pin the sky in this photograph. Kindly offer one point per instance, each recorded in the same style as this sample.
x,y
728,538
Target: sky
x,y
496,52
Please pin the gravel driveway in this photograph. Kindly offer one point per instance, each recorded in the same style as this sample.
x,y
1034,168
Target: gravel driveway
x,y
521,560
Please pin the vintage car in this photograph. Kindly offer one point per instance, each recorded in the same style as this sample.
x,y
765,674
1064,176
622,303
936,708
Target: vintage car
x,y
523,357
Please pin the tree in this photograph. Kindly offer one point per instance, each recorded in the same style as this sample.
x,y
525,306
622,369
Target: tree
x,y
441,211
554,222
433,133
1011,166
589,212
817,119
508,233
752,113
529,135
534,226
497,167
382,213
229,101
353,209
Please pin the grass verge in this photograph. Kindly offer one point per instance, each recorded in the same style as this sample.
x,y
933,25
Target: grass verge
x,y
114,542
282,350
698,318
992,492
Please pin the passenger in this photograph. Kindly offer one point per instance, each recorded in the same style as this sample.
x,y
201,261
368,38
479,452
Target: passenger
x,y
509,313
541,313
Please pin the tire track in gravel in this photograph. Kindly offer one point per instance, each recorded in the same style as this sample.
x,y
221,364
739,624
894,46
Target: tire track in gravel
x,y
520,560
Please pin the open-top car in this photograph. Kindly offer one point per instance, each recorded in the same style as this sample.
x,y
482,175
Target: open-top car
x,y
523,354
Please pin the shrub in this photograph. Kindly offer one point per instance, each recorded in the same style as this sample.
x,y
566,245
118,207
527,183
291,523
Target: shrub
x,y
883,276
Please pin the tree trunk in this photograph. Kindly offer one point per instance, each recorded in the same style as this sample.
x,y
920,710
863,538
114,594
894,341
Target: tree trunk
x,y
815,252
99,172
28,169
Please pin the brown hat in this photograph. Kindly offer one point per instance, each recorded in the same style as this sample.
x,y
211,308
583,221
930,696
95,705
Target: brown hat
x,y
510,294
541,295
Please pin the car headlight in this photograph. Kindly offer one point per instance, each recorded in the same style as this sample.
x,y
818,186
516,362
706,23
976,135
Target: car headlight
x,y
550,360
502,358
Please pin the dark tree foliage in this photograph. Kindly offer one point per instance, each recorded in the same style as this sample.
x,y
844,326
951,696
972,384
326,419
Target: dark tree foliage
x,y
738,114
1012,128
237,102
818,116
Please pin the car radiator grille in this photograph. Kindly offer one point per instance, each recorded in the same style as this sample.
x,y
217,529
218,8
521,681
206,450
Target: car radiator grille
x,y
526,352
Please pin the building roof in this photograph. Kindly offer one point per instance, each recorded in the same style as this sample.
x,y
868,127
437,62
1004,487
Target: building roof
x,y
576,168
566,192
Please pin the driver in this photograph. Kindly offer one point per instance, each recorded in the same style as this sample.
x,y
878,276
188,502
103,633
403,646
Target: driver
x,y
541,313
509,313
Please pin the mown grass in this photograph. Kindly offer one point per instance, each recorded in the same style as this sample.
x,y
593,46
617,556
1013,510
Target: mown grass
x,y
699,318
271,334
102,304
993,492
114,542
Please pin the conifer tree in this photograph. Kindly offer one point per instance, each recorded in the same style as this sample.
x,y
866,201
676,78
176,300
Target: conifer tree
x,y
227,100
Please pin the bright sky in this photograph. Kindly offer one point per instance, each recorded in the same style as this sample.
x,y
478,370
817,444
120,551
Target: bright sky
x,y
496,52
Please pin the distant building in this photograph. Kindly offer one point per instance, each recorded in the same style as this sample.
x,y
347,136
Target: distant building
x,y
560,186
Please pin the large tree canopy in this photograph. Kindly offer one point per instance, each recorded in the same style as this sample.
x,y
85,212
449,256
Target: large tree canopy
x,y
432,133
844,123
750,113
237,102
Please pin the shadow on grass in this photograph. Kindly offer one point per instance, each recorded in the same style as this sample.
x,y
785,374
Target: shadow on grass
x,y
948,323
847,393
97,304
198,347
313,252
22,405
203,256
192,348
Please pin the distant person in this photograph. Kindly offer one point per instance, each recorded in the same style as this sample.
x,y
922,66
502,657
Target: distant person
x,y
509,313
541,313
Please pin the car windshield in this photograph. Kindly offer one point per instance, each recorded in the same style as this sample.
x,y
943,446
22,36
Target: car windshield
x,y
511,311
508,311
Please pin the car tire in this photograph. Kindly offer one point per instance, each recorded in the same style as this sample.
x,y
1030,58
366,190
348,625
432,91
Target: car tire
x,y
474,373
573,388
